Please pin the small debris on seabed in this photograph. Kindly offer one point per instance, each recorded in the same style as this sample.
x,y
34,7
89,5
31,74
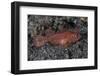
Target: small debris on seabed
x,y
38,24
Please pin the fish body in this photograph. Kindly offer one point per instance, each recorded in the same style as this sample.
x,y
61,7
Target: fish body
x,y
61,39
64,38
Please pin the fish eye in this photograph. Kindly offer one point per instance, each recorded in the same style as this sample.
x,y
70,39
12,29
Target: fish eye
x,y
75,36
72,36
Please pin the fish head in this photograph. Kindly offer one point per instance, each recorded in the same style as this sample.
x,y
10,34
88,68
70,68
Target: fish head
x,y
75,37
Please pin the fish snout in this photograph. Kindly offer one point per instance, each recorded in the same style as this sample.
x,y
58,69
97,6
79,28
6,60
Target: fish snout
x,y
78,36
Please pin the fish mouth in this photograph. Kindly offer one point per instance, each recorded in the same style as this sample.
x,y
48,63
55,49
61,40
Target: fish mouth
x,y
79,38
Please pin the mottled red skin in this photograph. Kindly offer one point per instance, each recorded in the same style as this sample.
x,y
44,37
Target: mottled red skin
x,y
63,39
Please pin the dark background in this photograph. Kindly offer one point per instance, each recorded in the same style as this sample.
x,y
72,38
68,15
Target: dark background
x,y
37,24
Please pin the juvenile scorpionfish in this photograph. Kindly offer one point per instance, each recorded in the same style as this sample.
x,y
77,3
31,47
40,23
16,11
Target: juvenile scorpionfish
x,y
63,39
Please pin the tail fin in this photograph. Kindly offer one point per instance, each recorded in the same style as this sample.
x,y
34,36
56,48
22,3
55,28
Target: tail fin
x,y
39,41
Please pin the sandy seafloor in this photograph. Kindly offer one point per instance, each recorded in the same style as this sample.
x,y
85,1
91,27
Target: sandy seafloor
x,y
78,50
